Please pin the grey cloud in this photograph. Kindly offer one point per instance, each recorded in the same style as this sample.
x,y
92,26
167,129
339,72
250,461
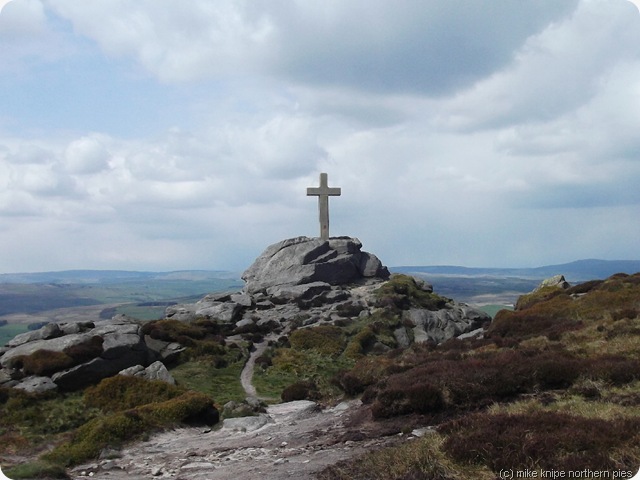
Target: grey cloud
x,y
429,47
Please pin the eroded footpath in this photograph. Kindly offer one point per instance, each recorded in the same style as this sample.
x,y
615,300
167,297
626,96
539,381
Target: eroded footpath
x,y
292,440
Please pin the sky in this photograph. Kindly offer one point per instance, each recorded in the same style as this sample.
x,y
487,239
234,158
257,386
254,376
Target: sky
x,y
168,135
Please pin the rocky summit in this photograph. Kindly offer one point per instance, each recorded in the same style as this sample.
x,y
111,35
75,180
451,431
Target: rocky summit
x,y
303,260
317,281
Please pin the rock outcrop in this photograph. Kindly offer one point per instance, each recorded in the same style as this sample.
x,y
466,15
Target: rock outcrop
x,y
316,281
73,355
304,260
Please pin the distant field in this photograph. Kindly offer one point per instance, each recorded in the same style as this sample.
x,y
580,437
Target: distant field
x,y
7,332
493,309
41,297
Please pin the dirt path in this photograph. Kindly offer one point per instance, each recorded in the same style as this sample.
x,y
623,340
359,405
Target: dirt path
x,y
293,440
246,377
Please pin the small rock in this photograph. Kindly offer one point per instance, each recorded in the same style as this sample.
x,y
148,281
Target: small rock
x,y
156,471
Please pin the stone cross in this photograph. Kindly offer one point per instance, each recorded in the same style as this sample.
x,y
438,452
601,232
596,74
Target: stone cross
x,y
323,192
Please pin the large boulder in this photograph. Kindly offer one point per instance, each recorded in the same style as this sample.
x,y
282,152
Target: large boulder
x,y
302,260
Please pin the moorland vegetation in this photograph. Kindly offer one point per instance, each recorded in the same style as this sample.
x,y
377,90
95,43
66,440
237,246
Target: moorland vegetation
x,y
553,384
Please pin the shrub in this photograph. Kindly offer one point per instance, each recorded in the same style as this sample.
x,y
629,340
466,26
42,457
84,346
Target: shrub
x,y
617,370
325,339
541,295
125,392
359,343
87,350
174,331
550,321
402,292
542,440
116,428
37,469
349,309
420,398
303,390
43,362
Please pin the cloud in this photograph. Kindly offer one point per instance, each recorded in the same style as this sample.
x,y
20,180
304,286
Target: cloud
x,y
429,47
86,155
174,41
177,135
555,72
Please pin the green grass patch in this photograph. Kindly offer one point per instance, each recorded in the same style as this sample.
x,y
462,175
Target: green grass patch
x,y
202,375
36,469
115,429
493,309
145,313
7,332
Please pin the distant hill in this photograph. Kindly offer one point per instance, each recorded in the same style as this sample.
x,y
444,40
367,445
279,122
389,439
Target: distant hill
x,y
580,270
42,291
111,276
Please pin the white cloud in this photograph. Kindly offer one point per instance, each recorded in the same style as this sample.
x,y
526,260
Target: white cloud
x,y
459,132
87,155
557,71
175,41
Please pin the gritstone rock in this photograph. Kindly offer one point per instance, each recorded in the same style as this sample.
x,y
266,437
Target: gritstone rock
x,y
302,260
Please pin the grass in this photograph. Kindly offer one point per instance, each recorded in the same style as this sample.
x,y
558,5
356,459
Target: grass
x,y
418,459
200,375
36,469
114,429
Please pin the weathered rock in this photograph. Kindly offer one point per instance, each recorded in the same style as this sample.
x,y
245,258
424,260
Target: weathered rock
x,y
167,352
303,260
181,312
54,344
371,266
246,424
555,281
155,371
36,385
242,299
76,327
288,293
441,325
224,312
120,346
50,330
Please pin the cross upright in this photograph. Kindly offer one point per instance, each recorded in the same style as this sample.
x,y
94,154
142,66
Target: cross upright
x,y
323,193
